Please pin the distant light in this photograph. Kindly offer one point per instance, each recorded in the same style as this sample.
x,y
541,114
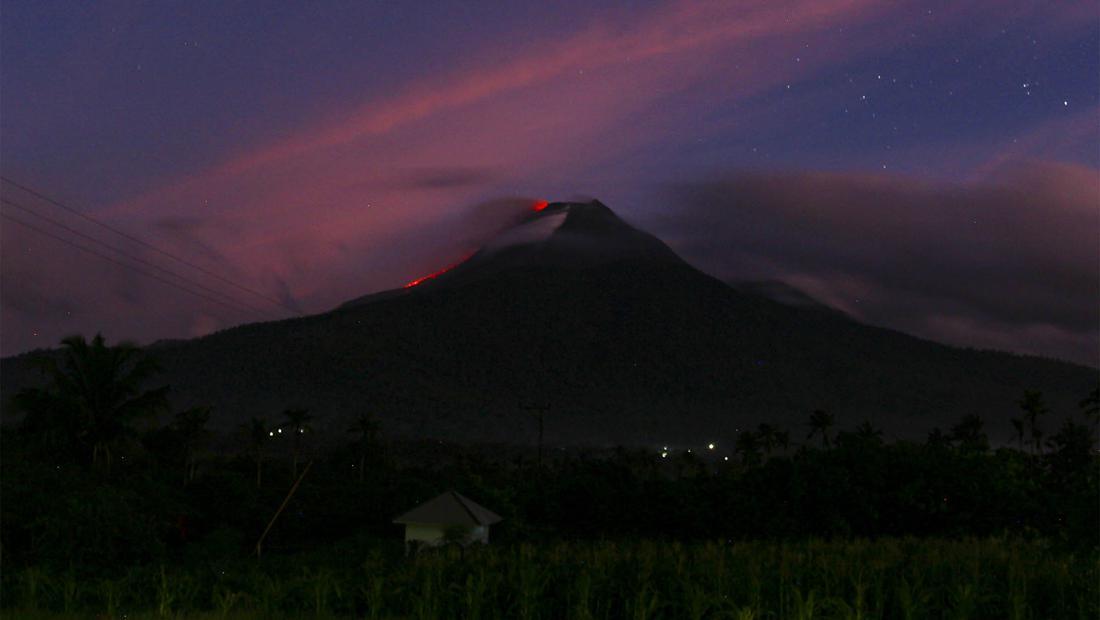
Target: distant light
x,y
664,455
301,430
271,433
280,430
665,448
725,458
710,446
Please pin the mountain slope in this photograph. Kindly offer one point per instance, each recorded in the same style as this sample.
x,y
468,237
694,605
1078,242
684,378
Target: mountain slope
x,y
605,327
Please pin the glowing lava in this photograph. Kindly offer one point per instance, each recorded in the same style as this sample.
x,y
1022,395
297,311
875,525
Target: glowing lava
x,y
436,274
539,205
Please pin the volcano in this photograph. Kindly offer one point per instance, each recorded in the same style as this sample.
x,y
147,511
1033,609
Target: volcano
x,y
560,235
603,328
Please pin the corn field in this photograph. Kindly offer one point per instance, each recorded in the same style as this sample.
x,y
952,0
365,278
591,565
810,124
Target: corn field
x,y
887,578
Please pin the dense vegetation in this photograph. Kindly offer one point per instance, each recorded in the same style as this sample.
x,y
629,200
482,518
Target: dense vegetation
x,y
887,578
102,514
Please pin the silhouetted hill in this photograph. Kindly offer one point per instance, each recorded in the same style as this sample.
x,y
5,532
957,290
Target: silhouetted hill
x,y
781,292
617,337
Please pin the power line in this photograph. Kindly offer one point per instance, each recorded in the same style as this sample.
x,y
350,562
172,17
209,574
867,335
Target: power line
x,y
120,263
138,259
150,246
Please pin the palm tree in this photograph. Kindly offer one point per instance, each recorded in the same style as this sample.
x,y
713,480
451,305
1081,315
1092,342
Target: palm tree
x,y
258,436
766,433
820,423
868,433
297,422
1018,425
93,396
1090,406
1034,408
937,438
748,444
1072,447
367,428
190,425
783,440
969,434
1037,439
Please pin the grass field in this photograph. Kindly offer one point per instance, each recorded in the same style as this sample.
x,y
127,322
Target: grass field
x,y
889,578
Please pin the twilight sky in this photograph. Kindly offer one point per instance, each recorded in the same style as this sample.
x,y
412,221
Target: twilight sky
x,y
926,166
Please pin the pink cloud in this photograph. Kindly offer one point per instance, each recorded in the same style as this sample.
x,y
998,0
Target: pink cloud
x,y
1049,140
316,214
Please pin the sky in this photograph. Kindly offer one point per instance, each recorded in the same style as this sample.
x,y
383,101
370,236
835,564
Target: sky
x,y
925,166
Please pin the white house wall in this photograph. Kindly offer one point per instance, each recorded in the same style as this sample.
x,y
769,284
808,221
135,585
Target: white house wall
x,y
432,534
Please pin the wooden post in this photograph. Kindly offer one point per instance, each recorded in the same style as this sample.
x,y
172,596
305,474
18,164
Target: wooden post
x,y
540,409
280,510
541,412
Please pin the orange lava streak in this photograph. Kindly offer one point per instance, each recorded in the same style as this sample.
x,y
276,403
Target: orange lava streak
x,y
436,274
539,205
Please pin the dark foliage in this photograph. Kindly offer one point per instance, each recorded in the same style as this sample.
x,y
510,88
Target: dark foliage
x,y
56,511
80,537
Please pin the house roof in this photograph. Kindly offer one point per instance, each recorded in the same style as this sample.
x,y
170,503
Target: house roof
x,y
450,508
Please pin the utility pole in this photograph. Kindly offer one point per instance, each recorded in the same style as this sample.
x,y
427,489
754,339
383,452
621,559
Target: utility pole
x,y
540,410
280,510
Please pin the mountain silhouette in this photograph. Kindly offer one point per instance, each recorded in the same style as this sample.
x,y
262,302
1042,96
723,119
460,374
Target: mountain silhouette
x,y
603,328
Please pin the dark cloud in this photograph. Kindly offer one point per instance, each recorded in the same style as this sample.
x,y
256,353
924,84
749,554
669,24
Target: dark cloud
x,y
179,224
445,178
1007,260
191,235
286,296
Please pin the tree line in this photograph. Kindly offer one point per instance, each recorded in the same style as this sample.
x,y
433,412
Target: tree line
x,y
82,481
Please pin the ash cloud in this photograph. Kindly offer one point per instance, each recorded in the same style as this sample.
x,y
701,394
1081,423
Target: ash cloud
x,y
476,224
1014,257
286,296
445,178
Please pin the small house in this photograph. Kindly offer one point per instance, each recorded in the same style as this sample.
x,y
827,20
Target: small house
x,y
451,517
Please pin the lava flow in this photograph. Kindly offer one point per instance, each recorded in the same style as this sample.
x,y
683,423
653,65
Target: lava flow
x,y
436,274
539,205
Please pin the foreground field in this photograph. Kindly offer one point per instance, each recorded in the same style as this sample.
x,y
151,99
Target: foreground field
x,y
891,578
